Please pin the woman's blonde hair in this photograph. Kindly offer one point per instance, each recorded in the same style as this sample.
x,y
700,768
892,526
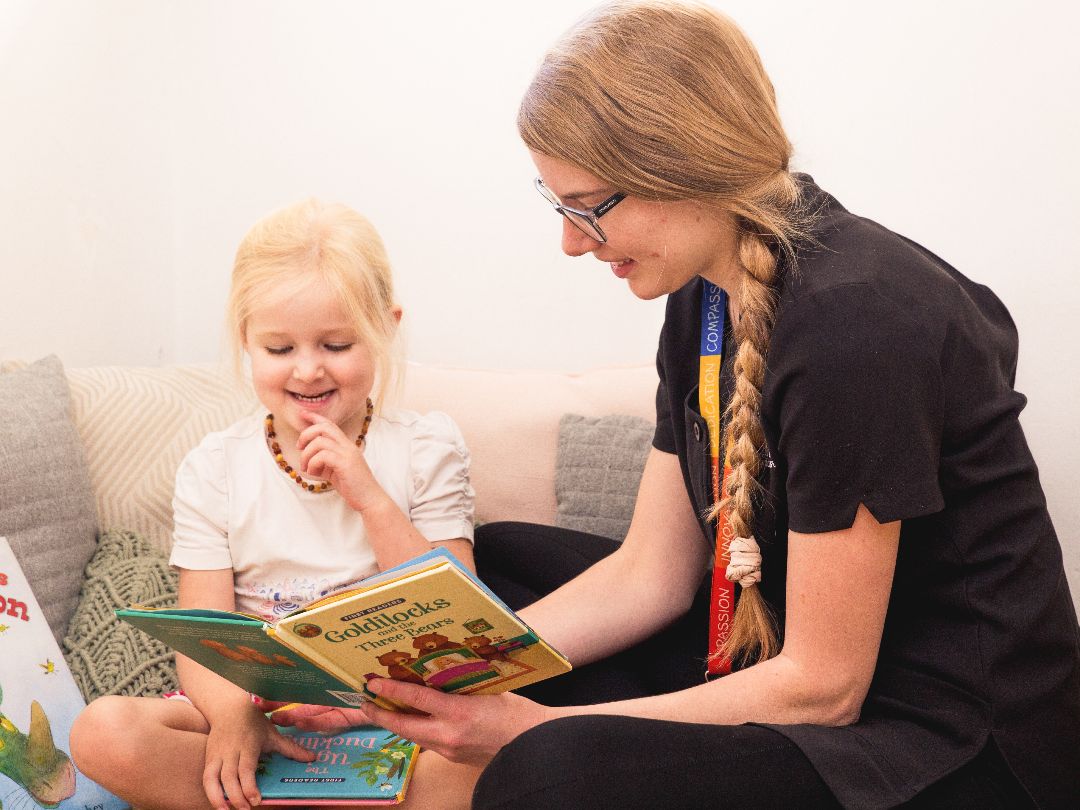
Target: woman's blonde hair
x,y
327,243
669,101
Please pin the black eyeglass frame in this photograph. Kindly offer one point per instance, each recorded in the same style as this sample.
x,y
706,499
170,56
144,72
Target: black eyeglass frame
x,y
589,216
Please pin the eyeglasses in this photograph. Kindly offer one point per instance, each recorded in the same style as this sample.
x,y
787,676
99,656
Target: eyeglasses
x,y
584,221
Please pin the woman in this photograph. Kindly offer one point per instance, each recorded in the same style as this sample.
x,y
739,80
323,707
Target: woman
x,y
904,634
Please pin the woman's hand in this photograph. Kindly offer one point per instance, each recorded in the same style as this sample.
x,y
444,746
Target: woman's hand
x,y
310,717
232,753
468,729
326,452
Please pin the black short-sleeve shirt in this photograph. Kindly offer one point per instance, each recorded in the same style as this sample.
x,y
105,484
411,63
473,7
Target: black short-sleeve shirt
x,y
889,383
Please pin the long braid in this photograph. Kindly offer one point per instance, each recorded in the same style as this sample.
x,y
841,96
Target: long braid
x,y
753,629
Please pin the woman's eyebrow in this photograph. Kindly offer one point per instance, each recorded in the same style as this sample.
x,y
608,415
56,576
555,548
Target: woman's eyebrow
x,y
577,195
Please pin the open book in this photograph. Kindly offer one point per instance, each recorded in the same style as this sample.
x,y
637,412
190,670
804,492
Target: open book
x,y
429,621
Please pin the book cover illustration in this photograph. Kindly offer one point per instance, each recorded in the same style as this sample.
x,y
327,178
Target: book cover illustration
x,y
366,765
38,704
429,621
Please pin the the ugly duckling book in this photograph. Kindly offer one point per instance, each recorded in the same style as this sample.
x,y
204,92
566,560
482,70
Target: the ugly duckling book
x,y
429,621
366,765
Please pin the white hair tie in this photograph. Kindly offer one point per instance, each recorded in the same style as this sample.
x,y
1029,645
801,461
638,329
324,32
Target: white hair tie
x,y
745,565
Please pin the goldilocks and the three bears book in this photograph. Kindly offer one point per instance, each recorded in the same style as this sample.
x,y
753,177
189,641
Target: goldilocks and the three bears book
x,y
429,621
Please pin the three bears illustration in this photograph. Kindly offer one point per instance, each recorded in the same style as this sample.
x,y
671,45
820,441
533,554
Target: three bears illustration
x,y
397,663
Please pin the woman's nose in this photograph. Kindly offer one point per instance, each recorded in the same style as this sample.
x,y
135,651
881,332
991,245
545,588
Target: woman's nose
x,y
576,242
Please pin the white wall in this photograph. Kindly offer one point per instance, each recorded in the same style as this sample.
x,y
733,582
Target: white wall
x,y
141,138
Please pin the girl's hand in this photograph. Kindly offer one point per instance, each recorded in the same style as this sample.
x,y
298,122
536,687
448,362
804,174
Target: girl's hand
x,y
468,729
326,452
232,753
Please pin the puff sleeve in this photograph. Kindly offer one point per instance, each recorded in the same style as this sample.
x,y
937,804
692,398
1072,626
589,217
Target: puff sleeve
x,y
442,499
200,510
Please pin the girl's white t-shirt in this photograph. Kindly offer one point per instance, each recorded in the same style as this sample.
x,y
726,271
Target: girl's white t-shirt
x,y
235,508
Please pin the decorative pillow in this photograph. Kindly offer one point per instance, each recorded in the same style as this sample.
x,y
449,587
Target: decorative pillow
x,y
597,472
46,505
108,656
137,424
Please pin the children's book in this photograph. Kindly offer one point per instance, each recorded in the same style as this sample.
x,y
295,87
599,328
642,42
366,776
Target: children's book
x,y
366,765
429,621
38,703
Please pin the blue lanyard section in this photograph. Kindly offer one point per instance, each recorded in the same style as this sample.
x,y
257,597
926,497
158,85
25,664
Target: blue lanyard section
x,y
713,311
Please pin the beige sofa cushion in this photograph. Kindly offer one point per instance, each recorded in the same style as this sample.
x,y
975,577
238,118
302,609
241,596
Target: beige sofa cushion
x,y
510,420
138,423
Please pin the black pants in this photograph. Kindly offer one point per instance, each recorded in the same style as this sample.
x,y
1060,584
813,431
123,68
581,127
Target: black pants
x,y
601,761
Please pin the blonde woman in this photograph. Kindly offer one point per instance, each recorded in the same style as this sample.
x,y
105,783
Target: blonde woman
x,y
836,420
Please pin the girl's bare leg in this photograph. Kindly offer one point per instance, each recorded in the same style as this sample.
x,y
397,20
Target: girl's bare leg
x,y
147,751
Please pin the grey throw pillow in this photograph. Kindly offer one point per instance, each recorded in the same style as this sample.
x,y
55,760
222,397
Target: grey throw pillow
x,y
597,471
47,509
108,656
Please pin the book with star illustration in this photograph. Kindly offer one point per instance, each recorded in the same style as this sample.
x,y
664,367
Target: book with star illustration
x,y
366,765
429,621
38,703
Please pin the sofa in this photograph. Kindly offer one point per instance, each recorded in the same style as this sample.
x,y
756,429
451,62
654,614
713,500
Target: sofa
x,y
88,455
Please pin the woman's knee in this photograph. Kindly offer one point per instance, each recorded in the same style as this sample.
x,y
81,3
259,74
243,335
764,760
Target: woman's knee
x,y
544,767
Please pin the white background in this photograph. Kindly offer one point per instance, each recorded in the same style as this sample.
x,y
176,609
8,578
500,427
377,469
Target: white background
x,y
139,139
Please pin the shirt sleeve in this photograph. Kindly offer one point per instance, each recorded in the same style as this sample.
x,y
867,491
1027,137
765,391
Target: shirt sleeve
x,y
441,507
200,510
853,399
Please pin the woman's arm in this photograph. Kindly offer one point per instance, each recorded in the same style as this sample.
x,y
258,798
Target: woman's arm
x,y
838,590
838,587
647,583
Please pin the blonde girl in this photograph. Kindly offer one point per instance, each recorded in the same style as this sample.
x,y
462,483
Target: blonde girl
x,y
322,487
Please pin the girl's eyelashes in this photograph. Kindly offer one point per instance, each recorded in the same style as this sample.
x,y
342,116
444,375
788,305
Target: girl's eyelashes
x,y
330,347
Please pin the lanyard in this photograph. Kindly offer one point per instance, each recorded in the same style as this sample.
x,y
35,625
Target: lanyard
x,y
722,599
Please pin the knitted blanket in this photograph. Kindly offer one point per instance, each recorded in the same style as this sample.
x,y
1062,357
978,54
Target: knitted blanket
x,y
110,657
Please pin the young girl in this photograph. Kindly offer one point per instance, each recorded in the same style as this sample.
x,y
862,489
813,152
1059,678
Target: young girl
x,y
316,492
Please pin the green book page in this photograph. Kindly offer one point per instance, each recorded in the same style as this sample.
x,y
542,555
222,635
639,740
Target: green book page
x,y
239,650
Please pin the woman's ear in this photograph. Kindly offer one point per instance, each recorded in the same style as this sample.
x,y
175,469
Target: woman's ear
x,y
396,311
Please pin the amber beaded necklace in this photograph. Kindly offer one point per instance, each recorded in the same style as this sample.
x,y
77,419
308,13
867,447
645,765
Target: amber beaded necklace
x,y
275,450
